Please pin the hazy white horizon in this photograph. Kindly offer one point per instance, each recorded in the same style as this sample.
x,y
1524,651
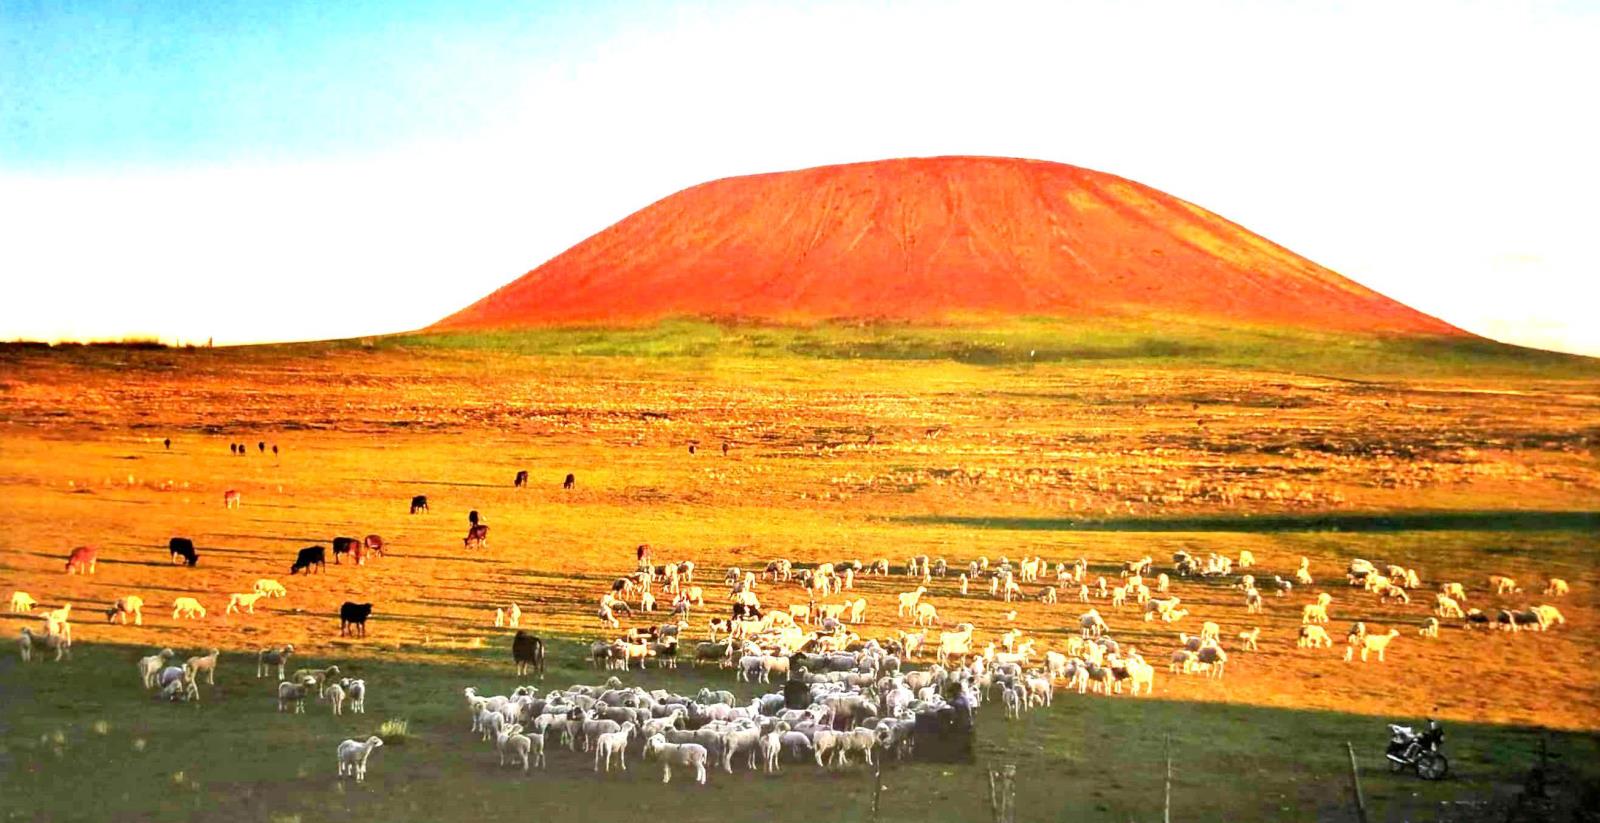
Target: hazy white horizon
x,y
253,176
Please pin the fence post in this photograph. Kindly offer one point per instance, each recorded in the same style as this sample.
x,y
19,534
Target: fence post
x,y
1166,803
1355,781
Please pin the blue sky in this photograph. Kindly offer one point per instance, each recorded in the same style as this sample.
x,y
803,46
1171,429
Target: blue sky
x,y
406,158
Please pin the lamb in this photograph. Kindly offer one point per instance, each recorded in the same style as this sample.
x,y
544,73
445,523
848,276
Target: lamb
x,y
270,587
22,602
1252,601
292,696
1313,613
207,664
770,746
1555,588
353,756
858,609
188,607
151,666
1447,606
335,695
511,740
1371,643
1394,593
1012,702
1174,615
356,691
1313,636
268,658
1430,628
1250,638
1548,615
908,600
55,621
1455,590
28,640
1503,585
1212,659
316,677
679,754
1246,559
927,615
1183,662
237,601
128,604
1210,631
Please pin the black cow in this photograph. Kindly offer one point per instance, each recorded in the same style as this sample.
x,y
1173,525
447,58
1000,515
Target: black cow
x,y
183,548
522,478
571,481
308,557
343,545
528,652
353,618
419,503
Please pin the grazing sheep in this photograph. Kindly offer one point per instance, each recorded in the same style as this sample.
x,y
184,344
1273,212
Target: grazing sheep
x,y
1548,615
1371,643
292,696
247,602
1183,662
127,604
1212,659
353,756
680,754
927,615
1503,585
151,666
1430,628
335,695
1313,613
1394,593
1454,590
1447,606
1555,588
22,602
207,664
188,607
1246,559
319,678
270,588
266,659
1314,636
1250,638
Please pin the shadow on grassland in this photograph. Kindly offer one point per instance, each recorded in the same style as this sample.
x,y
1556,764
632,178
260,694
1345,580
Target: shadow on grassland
x,y
1454,521
1086,758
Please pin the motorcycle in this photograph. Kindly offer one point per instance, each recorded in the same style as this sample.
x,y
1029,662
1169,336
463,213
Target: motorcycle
x,y
1411,750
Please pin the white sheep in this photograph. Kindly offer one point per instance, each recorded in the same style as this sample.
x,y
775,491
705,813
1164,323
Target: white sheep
x,y
21,601
236,602
908,600
1313,636
1454,590
681,754
1246,559
61,643
613,744
1503,585
356,690
926,615
207,664
270,588
335,695
151,666
266,659
292,696
1447,606
188,607
1430,628
353,756
127,604
1370,643
1555,588
1313,613
512,741
1250,637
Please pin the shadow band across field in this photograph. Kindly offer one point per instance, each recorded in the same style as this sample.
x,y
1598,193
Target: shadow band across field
x,y
1512,521
1087,758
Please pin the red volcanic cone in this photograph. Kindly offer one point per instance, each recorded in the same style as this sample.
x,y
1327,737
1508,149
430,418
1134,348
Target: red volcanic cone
x,y
931,239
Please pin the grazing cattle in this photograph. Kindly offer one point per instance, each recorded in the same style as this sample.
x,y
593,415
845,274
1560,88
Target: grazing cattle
x,y
353,618
419,503
374,544
182,548
528,652
81,560
343,545
522,479
230,499
308,557
570,482
477,536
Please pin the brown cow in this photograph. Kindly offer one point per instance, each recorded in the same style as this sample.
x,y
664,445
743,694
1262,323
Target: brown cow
x,y
477,537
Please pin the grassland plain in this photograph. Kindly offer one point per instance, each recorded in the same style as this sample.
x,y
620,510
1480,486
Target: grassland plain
x,y
870,443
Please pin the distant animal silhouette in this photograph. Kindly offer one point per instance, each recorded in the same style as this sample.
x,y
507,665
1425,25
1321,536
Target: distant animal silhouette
x,y
522,479
274,449
353,618
308,557
183,548
477,536
343,545
262,446
419,503
167,442
570,482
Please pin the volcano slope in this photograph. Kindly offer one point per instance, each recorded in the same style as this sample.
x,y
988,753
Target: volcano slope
x,y
954,442
929,240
